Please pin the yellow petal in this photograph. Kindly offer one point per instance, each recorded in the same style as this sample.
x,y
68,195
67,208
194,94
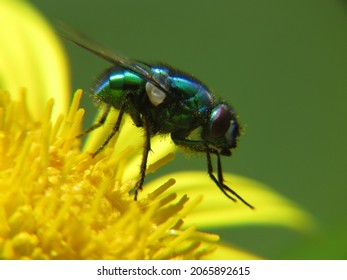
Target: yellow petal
x,y
216,210
224,252
32,58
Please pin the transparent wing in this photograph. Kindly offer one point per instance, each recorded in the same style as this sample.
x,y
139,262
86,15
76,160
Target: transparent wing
x,y
138,68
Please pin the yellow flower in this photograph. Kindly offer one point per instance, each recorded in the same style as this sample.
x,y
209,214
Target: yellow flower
x,y
57,202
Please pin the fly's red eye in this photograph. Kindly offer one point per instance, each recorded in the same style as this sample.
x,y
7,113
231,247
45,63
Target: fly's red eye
x,y
220,121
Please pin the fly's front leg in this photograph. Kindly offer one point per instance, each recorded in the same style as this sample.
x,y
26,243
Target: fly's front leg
x,y
224,188
201,146
146,150
220,180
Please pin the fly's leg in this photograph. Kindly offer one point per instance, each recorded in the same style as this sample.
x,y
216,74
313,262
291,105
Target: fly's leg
x,y
146,150
201,146
114,130
127,103
220,180
224,188
99,123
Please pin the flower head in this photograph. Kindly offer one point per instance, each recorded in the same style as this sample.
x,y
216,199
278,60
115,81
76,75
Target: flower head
x,y
59,203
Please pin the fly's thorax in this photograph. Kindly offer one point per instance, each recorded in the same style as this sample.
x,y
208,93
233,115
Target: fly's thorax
x,y
181,104
221,129
114,83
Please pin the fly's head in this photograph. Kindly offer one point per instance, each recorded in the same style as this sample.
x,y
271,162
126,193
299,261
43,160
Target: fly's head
x,y
221,129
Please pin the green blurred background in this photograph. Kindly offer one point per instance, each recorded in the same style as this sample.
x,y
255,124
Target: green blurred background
x,y
283,66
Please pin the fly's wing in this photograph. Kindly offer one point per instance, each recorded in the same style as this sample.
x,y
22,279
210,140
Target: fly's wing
x,y
138,68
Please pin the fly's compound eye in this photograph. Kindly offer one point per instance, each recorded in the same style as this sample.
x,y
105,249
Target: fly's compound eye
x,y
220,121
232,133
222,124
155,95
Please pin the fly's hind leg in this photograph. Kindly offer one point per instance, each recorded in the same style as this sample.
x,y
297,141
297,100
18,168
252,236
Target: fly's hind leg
x,y
127,103
114,130
99,123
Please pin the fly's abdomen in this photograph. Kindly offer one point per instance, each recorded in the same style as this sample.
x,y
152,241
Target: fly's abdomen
x,y
115,83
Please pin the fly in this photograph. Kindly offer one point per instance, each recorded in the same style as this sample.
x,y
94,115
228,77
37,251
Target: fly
x,y
163,100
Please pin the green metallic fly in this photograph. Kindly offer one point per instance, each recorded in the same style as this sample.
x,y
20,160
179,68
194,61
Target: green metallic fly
x,y
164,100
